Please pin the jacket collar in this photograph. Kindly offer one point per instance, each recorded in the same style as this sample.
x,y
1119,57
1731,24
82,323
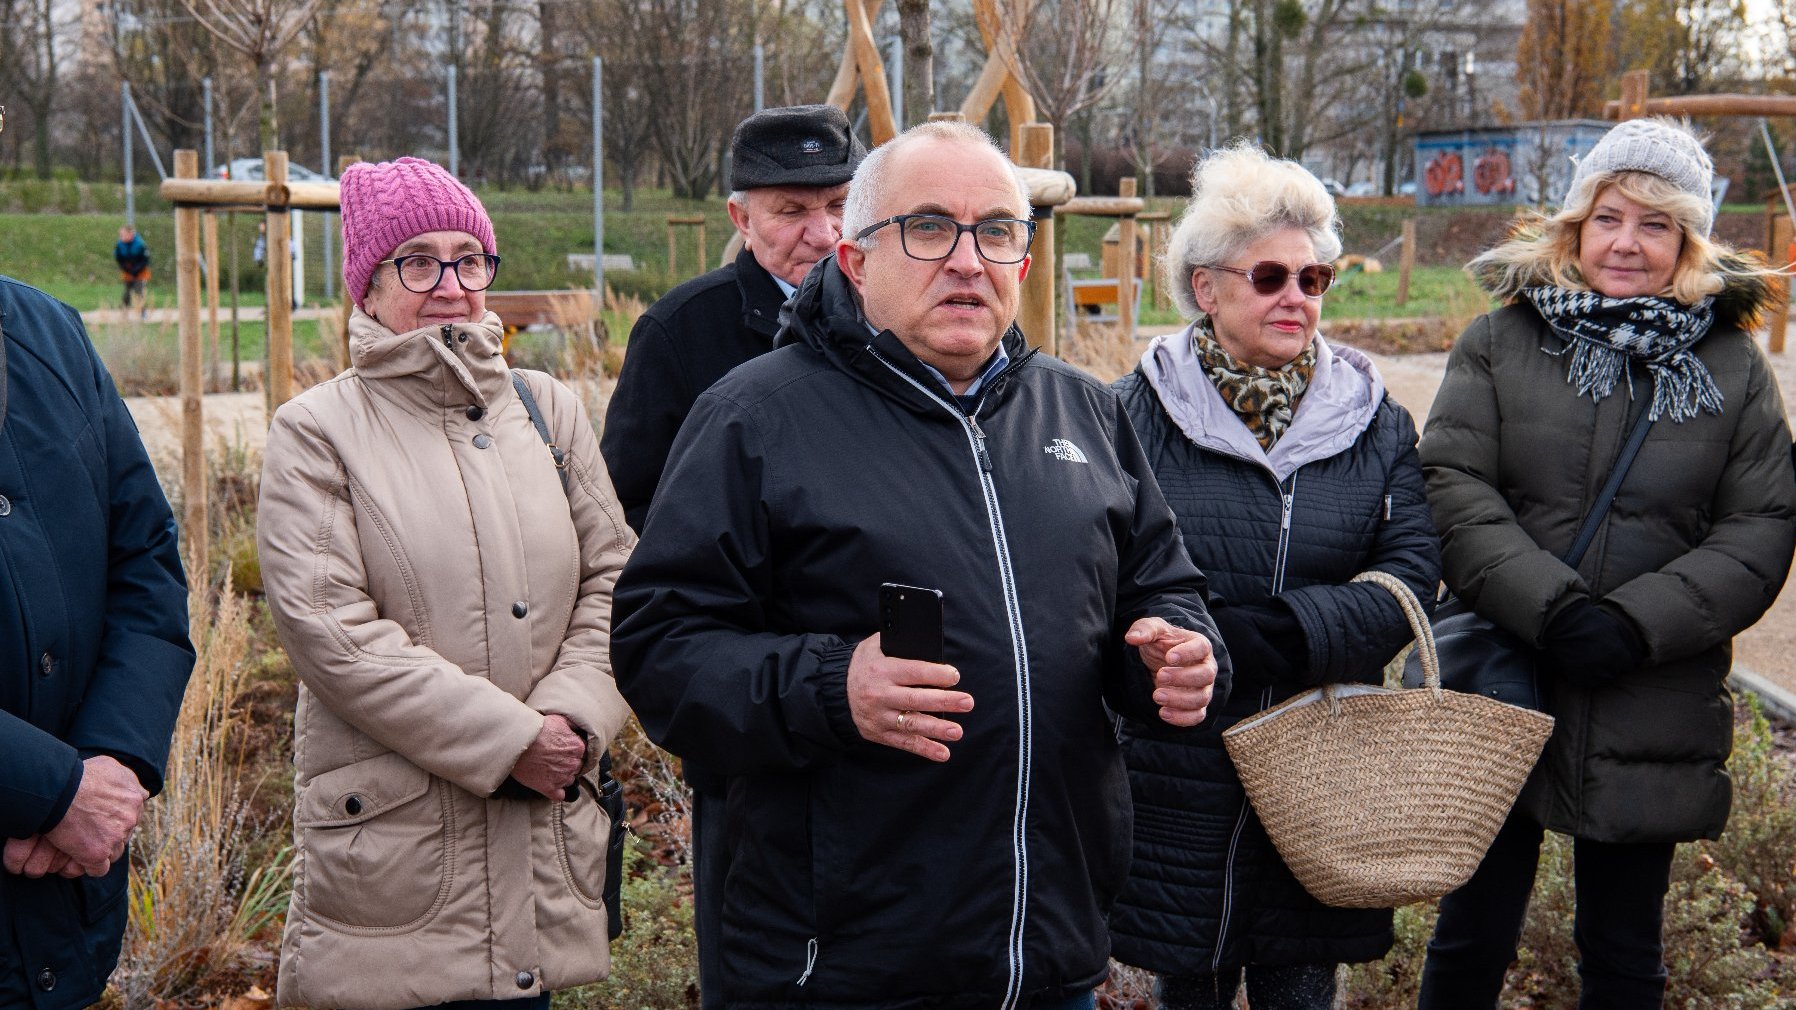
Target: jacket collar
x,y
431,367
826,316
1344,394
761,296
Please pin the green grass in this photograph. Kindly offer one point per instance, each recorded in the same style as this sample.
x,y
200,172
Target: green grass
x,y
70,254
1433,291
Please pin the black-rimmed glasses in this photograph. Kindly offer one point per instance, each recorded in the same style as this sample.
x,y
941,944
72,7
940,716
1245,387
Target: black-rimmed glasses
x,y
931,237
1269,277
421,274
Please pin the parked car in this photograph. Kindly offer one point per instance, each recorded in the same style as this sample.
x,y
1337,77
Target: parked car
x,y
1364,187
250,170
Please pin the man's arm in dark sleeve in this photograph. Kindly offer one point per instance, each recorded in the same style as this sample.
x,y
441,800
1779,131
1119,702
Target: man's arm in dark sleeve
x,y
651,400
145,659
692,643
1155,578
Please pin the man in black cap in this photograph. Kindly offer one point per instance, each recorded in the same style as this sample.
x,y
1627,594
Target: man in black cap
x,y
789,179
789,175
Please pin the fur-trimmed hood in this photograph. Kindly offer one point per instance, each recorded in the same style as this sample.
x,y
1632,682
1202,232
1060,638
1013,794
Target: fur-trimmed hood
x,y
1745,295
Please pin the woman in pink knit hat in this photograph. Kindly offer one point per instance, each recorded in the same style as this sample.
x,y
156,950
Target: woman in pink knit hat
x,y
439,541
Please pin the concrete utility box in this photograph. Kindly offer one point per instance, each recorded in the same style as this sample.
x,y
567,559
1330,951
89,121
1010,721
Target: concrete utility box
x,y
1501,165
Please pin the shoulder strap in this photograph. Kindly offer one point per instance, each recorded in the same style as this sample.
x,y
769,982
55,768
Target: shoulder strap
x,y
1606,496
542,429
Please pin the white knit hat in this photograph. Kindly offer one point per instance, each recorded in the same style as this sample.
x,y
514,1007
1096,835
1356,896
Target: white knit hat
x,y
1658,146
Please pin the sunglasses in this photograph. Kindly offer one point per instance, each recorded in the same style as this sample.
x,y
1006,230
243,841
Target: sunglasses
x,y
1269,278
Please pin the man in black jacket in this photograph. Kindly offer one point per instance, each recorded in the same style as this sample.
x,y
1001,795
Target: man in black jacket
x,y
789,170
906,833
94,654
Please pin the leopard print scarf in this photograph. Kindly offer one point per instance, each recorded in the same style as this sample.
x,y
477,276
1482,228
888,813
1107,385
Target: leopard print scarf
x,y
1264,398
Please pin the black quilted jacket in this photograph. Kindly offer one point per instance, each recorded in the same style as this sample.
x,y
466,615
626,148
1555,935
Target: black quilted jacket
x,y
1341,493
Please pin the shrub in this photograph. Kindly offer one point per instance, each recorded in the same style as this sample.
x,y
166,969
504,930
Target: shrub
x,y
197,899
654,965
1760,841
144,358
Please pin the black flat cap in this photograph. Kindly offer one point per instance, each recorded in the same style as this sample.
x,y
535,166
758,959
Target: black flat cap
x,y
799,145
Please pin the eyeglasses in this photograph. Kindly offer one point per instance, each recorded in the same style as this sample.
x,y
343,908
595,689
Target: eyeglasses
x,y
931,237
421,274
1269,278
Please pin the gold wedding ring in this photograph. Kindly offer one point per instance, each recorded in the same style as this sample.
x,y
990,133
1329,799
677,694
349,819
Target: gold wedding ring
x,y
901,716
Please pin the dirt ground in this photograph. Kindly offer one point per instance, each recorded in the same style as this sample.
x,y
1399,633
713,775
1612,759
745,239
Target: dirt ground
x,y
1767,649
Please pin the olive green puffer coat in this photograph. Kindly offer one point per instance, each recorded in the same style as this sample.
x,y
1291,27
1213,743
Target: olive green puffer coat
x,y
1694,549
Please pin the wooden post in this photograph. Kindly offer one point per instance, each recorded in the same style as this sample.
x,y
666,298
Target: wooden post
x,y
1633,94
1037,312
213,265
1408,262
880,124
193,376
277,381
950,117
673,252
841,93
1125,262
703,263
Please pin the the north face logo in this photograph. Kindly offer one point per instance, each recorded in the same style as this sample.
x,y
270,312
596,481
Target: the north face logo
x,y
1063,450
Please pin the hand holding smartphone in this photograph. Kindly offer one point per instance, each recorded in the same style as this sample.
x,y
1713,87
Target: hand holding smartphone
x,y
910,622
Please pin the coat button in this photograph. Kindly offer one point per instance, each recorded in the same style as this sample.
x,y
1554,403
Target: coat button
x,y
476,412
482,441
46,665
46,979
525,980
519,609
5,506
352,806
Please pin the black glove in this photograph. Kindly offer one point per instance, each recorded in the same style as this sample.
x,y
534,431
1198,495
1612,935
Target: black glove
x,y
1590,646
1265,643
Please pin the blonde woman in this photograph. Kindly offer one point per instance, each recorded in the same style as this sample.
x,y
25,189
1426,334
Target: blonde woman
x,y
1289,471
1618,305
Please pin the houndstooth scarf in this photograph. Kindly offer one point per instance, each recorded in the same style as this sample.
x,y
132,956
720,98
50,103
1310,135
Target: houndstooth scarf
x,y
1264,398
1604,333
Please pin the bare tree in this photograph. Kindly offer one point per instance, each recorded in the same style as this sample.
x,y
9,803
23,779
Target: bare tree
x,y
919,60
258,30
1069,55
30,65
1563,59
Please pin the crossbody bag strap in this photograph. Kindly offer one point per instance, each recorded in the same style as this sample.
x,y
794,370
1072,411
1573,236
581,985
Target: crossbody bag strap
x,y
542,428
1606,496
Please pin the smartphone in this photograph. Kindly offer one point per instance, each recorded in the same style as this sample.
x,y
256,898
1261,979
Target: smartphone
x,y
910,622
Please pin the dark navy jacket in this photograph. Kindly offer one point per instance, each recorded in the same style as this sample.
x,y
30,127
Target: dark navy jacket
x,y
94,654
1340,493
860,875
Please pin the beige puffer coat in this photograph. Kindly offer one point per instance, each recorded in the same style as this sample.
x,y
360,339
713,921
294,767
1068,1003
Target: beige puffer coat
x,y
438,593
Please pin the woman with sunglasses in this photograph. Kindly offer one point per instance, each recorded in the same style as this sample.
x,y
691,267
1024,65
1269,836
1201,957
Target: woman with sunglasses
x,y
1290,471
439,544
1618,311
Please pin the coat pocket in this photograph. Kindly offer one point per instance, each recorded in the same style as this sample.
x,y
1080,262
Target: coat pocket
x,y
375,840
583,839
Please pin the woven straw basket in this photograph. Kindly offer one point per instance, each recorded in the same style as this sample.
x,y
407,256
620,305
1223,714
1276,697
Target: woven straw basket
x,y
1377,798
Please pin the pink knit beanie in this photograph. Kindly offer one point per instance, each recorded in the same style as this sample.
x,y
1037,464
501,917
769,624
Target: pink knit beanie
x,y
386,204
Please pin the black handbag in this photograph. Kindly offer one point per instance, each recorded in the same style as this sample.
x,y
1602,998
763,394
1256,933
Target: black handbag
x,y
1476,656
611,795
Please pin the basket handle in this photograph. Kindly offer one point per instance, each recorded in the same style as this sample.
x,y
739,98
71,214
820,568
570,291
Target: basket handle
x,y
1418,622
